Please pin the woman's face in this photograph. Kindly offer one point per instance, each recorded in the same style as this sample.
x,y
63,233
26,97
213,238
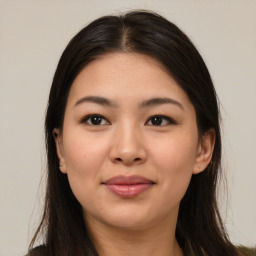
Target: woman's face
x,y
129,143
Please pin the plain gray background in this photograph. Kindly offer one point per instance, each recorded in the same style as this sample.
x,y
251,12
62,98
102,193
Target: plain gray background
x,y
33,34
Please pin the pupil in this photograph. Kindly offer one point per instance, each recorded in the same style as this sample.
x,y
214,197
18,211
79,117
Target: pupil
x,y
157,120
96,120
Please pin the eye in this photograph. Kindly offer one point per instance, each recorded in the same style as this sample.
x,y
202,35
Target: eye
x,y
160,120
95,119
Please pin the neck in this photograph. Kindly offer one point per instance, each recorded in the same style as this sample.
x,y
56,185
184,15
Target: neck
x,y
159,240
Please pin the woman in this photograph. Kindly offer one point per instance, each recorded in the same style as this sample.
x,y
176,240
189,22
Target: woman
x,y
133,144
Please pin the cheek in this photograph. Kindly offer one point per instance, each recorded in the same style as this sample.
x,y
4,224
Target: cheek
x,y
174,160
84,157
177,152
83,152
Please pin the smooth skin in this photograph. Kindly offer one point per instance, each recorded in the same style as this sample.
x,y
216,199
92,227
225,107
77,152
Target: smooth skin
x,y
125,115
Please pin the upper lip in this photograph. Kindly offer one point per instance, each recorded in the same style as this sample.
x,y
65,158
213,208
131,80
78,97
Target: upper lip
x,y
128,180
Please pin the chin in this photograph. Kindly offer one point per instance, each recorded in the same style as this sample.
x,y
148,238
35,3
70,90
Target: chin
x,y
129,218
130,224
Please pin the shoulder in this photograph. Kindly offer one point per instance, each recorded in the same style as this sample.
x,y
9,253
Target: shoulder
x,y
38,251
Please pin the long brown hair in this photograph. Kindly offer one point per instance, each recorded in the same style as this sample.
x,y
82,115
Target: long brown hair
x,y
200,231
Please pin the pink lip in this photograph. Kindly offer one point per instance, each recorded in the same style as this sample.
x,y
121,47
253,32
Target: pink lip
x,y
128,186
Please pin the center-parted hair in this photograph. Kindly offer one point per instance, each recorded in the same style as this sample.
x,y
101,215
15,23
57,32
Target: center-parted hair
x,y
200,231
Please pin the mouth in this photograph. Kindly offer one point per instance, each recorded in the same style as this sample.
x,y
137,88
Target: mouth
x,y
128,186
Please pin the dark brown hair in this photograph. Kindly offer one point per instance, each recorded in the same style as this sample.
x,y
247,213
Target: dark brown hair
x,y
200,231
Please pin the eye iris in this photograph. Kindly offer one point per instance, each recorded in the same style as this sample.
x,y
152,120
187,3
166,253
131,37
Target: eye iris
x,y
157,120
96,120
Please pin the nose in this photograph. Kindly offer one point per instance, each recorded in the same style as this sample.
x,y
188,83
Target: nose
x,y
128,146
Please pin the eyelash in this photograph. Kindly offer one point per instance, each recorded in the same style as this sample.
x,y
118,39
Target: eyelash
x,y
169,121
161,118
88,117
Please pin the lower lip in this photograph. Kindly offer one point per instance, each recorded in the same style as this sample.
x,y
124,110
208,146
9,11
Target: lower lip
x,y
128,190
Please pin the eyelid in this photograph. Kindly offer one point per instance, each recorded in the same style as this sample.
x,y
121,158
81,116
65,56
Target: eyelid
x,y
170,120
87,117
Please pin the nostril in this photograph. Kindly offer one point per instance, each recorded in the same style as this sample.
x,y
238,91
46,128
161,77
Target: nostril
x,y
118,159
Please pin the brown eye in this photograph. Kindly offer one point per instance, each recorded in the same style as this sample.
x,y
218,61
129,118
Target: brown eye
x,y
95,120
160,120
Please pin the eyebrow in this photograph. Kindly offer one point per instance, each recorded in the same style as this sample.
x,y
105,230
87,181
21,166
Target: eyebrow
x,y
146,103
96,99
160,101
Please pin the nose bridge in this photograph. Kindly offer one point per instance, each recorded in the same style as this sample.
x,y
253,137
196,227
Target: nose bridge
x,y
128,144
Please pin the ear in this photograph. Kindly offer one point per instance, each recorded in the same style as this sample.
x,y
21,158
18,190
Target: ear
x,y
204,151
59,148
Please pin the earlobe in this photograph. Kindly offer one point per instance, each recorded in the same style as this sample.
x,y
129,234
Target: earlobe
x,y
59,149
204,151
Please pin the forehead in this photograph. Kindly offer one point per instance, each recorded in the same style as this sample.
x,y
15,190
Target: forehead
x,y
126,75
